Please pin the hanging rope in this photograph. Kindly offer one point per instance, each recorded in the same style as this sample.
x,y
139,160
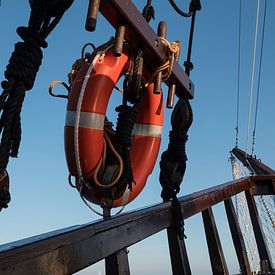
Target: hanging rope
x,y
148,11
21,71
20,75
252,75
180,11
173,160
238,73
259,79
172,49
194,6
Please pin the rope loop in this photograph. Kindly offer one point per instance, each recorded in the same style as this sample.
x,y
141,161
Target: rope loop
x,y
21,71
167,67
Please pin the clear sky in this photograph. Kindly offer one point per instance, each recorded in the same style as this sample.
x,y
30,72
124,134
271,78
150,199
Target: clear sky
x,y
41,197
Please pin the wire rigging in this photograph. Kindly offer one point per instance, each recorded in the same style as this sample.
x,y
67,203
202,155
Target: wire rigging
x,y
252,75
259,78
238,73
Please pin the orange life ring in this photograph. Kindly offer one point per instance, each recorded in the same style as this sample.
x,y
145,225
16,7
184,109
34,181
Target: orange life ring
x,y
86,109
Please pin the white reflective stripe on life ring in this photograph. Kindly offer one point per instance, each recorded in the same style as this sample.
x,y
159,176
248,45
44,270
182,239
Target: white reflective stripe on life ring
x,y
86,120
148,130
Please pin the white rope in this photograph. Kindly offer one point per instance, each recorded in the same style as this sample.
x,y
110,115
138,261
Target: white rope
x,y
252,75
100,54
76,126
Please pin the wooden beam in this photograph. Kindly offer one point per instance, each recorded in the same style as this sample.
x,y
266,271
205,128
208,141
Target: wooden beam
x,y
264,185
178,253
237,237
253,164
139,34
70,250
117,263
258,231
216,255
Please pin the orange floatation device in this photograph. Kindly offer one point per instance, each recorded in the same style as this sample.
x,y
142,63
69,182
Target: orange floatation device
x,y
84,128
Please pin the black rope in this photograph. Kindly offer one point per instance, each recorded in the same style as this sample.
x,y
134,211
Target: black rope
x,y
173,160
238,73
259,79
148,11
133,87
4,190
125,124
194,5
22,69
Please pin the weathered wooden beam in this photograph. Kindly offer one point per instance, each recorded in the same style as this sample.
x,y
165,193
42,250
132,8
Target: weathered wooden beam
x,y
216,255
70,250
117,263
178,253
264,185
139,34
237,237
253,164
258,231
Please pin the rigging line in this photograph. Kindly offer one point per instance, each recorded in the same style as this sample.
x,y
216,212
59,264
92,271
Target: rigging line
x,y
238,72
252,75
259,78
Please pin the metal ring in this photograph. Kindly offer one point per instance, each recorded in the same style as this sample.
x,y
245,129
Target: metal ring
x,y
84,48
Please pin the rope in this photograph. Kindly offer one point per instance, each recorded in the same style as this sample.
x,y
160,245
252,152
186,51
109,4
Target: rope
x,y
166,68
148,11
78,112
21,72
252,75
94,210
173,160
194,6
101,164
238,72
259,78
180,11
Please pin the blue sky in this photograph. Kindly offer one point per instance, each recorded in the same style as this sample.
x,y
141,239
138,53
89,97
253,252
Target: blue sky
x,y
41,197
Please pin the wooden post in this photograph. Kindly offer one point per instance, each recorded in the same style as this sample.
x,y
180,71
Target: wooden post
x,y
258,231
237,238
117,263
217,259
178,253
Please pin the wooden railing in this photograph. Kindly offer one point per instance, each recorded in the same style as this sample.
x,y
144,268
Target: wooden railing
x,y
71,249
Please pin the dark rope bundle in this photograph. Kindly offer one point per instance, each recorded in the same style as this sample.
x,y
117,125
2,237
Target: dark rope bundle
x,y
133,92
148,11
4,190
133,87
21,72
173,160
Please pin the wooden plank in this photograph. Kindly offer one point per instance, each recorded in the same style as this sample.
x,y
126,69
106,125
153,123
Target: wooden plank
x,y
265,185
255,165
71,250
217,259
178,254
237,237
139,34
258,231
117,263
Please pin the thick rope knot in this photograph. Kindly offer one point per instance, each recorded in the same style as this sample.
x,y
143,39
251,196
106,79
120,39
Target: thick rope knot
x,y
4,190
125,125
30,37
24,63
172,49
148,11
176,148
